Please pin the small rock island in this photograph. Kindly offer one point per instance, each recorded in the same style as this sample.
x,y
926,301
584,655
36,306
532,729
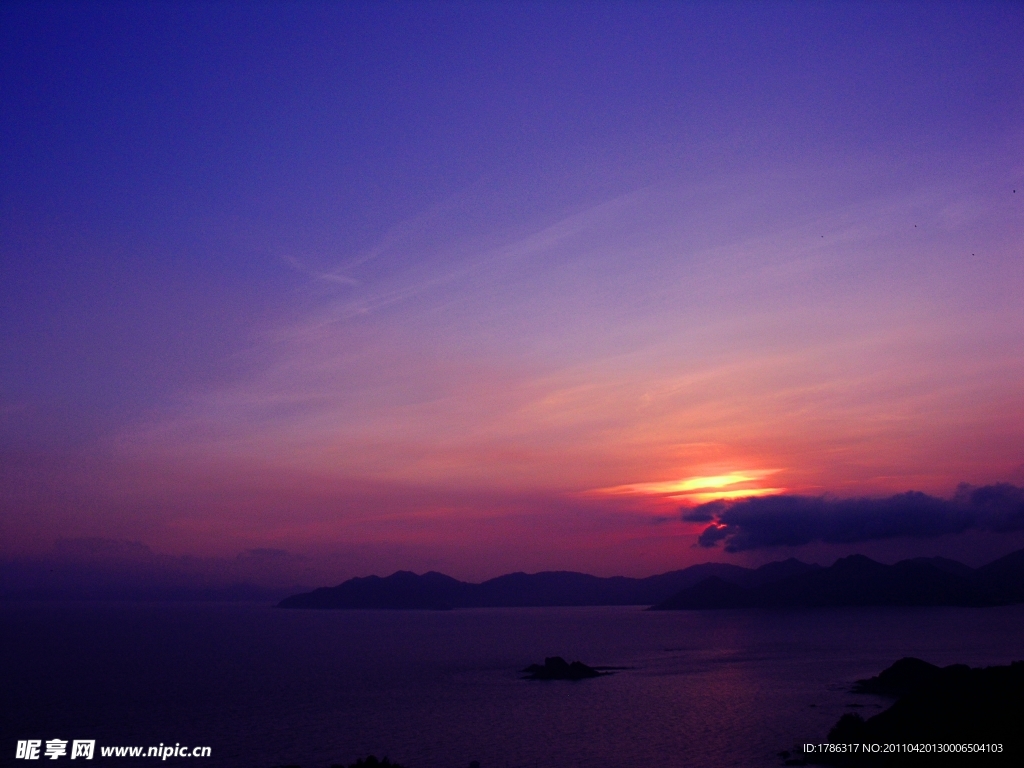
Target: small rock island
x,y
557,668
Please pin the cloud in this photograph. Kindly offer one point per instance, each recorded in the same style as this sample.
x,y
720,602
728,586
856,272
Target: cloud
x,y
792,521
264,553
102,550
705,513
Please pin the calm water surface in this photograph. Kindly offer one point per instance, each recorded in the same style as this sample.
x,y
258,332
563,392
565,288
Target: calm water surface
x,y
265,687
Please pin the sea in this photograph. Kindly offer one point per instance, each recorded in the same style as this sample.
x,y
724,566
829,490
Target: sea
x,y
264,687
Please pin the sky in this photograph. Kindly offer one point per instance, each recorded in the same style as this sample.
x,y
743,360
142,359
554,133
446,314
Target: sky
x,y
484,287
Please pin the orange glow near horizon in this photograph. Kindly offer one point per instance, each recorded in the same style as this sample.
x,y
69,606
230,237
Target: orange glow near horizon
x,y
700,488
701,498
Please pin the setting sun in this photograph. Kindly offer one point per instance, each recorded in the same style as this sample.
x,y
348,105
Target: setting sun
x,y
700,488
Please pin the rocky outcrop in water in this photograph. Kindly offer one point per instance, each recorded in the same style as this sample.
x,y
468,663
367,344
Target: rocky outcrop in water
x,y
557,668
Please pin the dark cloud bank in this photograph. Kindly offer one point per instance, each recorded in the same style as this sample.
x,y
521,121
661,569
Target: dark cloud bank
x,y
792,521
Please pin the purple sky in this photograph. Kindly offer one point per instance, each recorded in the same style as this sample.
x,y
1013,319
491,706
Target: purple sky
x,y
487,287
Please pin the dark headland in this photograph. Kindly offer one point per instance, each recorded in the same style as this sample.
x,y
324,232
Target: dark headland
x,y
976,712
850,581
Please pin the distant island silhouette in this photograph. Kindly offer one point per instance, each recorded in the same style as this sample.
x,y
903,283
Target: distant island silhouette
x,y
851,581
935,705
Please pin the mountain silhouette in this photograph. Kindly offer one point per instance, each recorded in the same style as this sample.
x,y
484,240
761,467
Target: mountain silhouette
x,y
853,580
859,580
435,591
